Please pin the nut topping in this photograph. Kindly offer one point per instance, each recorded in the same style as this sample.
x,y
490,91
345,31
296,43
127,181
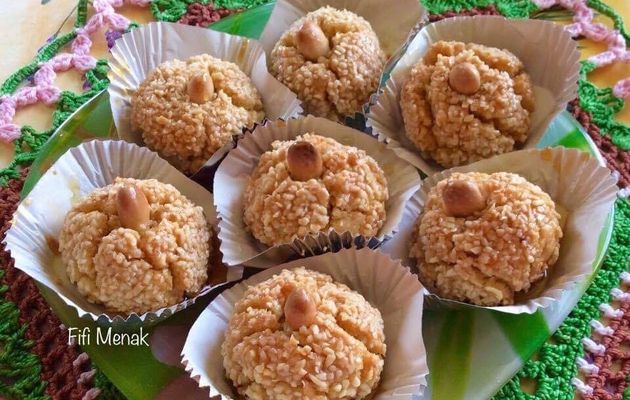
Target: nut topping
x,y
462,198
133,207
200,88
299,309
311,41
304,161
464,78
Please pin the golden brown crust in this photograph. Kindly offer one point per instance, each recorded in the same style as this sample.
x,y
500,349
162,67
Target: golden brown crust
x,y
136,271
349,195
340,355
455,127
188,130
340,82
487,257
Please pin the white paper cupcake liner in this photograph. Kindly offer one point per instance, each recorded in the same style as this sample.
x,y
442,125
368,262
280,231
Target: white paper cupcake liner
x,y
240,247
77,173
386,284
579,185
392,26
141,50
550,56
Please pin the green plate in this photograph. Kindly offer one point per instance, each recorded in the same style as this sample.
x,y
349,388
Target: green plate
x,y
471,353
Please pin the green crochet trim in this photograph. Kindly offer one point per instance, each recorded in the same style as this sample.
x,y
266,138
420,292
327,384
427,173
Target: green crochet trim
x,y
555,364
603,105
608,11
19,368
169,10
46,53
509,8
31,141
172,10
81,13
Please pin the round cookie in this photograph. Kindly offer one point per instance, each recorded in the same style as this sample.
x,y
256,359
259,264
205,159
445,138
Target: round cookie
x,y
135,246
465,102
482,238
301,335
187,110
331,59
314,184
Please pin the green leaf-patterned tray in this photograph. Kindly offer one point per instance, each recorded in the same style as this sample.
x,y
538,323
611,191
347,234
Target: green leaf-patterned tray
x,y
471,353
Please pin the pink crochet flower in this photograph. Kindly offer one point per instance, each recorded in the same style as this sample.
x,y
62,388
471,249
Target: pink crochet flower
x,y
583,24
43,88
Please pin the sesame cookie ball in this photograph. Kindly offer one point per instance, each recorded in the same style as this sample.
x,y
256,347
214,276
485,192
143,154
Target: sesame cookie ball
x,y
332,59
187,110
299,335
314,184
465,102
482,238
135,246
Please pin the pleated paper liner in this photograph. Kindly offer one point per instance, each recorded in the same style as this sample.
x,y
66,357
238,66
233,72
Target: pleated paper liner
x,y
584,192
384,283
392,27
240,247
77,173
550,56
141,50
